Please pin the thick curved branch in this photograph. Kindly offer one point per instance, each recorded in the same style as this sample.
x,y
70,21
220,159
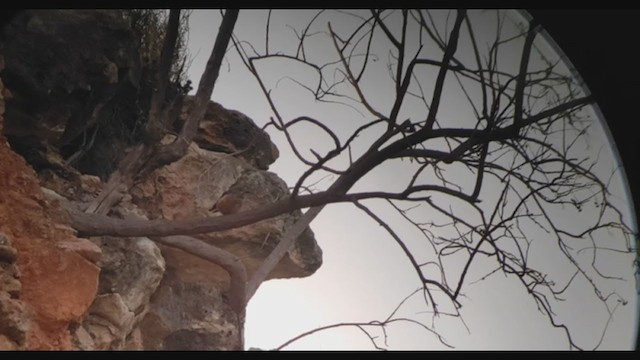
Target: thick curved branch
x,y
226,260
97,225
280,250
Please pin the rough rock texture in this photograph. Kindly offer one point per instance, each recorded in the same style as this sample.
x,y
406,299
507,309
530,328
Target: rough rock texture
x,y
232,132
132,268
109,321
45,289
49,88
14,321
195,183
189,310
189,315
71,74
84,248
130,273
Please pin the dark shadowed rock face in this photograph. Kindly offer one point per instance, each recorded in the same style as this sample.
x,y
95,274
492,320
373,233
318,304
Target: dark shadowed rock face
x,y
69,73
79,89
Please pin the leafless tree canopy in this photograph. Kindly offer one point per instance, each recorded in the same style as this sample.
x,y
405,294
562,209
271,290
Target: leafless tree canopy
x,y
483,184
493,180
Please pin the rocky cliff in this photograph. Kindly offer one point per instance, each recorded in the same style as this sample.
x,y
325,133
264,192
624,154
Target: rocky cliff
x,y
72,91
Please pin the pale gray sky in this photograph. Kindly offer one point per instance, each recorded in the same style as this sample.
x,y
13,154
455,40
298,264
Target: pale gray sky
x,y
365,274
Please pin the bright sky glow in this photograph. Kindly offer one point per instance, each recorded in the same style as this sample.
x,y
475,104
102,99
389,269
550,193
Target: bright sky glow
x,y
365,274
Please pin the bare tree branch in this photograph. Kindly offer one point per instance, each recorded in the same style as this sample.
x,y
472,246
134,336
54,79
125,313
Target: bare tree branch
x,y
280,250
477,186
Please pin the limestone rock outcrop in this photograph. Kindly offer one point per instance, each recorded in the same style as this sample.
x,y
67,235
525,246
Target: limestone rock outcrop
x,y
232,132
195,183
131,270
189,309
75,87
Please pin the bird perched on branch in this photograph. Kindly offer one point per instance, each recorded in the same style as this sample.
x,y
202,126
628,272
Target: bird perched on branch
x,y
228,204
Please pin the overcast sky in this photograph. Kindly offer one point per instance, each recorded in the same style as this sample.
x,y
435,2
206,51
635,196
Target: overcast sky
x,y
365,275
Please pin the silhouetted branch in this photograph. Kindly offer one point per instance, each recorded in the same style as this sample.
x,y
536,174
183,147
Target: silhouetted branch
x,y
479,185
375,324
